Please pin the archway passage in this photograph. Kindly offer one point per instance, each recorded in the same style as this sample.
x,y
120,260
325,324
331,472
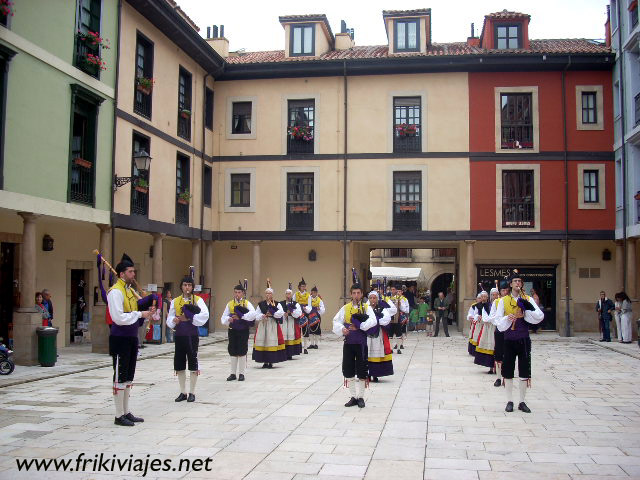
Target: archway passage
x,y
441,283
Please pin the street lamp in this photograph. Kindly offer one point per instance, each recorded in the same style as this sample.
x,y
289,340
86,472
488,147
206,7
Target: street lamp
x,y
142,161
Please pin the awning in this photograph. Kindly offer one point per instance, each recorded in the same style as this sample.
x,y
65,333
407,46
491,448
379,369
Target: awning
x,y
398,274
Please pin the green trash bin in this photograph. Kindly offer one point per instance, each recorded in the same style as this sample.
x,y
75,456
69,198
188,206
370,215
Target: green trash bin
x,y
47,349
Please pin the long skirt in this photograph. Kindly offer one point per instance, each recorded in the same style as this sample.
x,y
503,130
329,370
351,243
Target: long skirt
x,y
292,338
268,342
486,346
380,361
471,348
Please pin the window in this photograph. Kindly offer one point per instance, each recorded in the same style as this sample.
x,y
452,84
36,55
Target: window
x,y
208,108
300,126
241,121
507,36
299,201
518,208
144,77
516,121
184,104
590,185
183,193
407,200
140,190
614,15
407,125
302,41
633,13
83,144
207,181
87,20
407,35
398,253
589,110
240,189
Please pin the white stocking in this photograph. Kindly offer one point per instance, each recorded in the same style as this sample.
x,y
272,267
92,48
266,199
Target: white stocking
x,y
182,380
242,364
523,389
193,377
508,385
352,386
118,399
234,365
125,399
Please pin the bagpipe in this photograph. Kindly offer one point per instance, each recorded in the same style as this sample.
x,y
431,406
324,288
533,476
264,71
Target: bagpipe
x,y
240,311
314,317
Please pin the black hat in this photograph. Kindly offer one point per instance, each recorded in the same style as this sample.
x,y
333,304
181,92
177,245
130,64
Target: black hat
x,y
504,284
186,279
301,282
125,262
314,289
239,287
514,274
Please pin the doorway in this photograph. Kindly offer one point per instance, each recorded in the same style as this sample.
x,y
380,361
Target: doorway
x,y
7,291
78,313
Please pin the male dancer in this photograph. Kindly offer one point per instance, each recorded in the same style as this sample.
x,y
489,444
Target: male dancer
x,y
186,313
302,297
238,315
314,311
378,347
268,343
351,322
290,326
400,318
514,314
123,308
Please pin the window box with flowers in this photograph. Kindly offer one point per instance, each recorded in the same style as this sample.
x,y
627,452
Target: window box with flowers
x,y
145,85
407,130
6,11
93,40
185,113
301,132
88,48
142,186
184,197
81,162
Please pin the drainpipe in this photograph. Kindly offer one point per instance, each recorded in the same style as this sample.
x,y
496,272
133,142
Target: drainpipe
x,y
567,293
204,114
344,187
623,156
113,141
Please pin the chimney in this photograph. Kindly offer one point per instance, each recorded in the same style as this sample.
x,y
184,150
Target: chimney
x,y
344,39
473,41
607,28
218,43
208,33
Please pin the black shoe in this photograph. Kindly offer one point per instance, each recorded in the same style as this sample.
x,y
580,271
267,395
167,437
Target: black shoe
x,y
376,379
399,352
402,347
241,378
490,372
395,347
123,421
306,352
351,403
497,383
265,365
289,358
315,347
183,396
192,398
509,407
133,418
269,365
601,340
361,402
231,377
523,406
448,336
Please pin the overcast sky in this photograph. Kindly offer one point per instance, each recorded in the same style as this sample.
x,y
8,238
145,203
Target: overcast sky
x,y
253,24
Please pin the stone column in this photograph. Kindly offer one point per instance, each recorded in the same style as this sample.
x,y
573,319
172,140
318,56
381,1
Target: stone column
x,y
26,318
208,281
98,325
469,286
255,270
631,269
157,276
565,315
195,260
619,266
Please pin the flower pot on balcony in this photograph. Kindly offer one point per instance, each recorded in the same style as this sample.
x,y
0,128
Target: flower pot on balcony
x,y
141,189
185,114
183,201
81,162
145,90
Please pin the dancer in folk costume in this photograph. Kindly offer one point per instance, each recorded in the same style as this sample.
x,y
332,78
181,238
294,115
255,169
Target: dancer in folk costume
x,y
302,297
239,316
514,314
473,318
314,311
498,351
290,326
125,312
399,318
186,313
268,341
486,342
378,347
351,322
482,299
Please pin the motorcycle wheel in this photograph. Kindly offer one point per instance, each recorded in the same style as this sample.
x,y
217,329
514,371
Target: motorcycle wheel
x,y
6,367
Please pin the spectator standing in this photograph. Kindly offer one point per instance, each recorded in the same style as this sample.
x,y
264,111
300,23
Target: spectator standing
x,y
167,298
441,307
605,307
625,316
42,310
46,301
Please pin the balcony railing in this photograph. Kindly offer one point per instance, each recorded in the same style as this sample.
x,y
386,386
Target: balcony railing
x,y
443,252
637,109
407,143
139,202
516,137
299,146
82,188
299,215
184,126
142,104
182,212
518,214
407,216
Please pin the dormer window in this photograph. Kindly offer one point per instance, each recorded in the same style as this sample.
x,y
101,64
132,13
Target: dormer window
x,y
508,37
407,35
302,42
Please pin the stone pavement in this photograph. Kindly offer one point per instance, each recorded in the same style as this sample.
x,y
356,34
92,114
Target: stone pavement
x,y
439,417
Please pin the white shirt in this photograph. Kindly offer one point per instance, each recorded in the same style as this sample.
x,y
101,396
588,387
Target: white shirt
x,y
338,320
308,308
199,319
259,316
249,316
503,323
115,300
